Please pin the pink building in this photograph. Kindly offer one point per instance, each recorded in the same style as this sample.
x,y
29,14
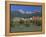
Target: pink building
x,y
35,18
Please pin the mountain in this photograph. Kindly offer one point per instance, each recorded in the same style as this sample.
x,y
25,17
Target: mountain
x,y
20,13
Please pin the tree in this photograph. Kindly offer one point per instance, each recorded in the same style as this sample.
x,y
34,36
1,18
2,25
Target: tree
x,y
21,21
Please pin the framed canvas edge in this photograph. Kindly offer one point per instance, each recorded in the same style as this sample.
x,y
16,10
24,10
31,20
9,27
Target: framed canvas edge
x,y
7,33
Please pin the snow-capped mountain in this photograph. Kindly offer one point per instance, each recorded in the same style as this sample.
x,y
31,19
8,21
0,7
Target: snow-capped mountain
x,y
22,13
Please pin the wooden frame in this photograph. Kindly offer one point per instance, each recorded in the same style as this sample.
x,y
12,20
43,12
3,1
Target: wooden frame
x,y
8,18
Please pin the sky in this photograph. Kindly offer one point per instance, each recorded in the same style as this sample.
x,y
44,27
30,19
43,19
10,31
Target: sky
x,y
25,8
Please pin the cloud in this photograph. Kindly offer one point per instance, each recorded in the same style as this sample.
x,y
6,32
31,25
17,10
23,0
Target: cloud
x,y
21,11
28,12
24,12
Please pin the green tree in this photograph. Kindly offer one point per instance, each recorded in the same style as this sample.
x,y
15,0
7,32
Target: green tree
x,y
21,22
39,22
